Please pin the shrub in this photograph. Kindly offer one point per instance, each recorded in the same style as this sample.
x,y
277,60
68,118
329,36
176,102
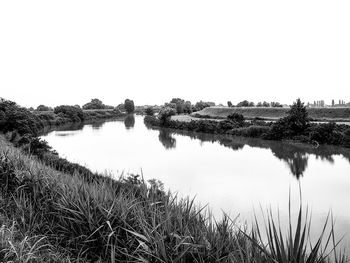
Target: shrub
x,y
165,114
73,113
326,133
129,106
96,104
237,118
149,111
16,118
347,138
43,108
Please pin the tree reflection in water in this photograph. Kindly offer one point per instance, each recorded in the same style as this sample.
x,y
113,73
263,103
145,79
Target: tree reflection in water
x,y
129,121
295,155
167,140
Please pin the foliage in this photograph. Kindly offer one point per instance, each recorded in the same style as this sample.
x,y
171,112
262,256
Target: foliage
x,y
103,220
96,104
294,124
245,103
237,118
16,118
326,133
202,104
71,112
43,108
129,106
149,111
229,104
165,114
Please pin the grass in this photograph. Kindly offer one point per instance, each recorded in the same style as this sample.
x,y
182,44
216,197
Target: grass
x,y
51,216
317,114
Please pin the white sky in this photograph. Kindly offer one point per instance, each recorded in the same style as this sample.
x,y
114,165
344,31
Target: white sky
x,y
67,52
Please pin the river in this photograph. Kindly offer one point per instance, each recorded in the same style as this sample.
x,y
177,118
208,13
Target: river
x,y
230,174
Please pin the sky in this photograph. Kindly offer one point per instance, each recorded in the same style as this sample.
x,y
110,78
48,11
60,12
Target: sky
x,y
70,51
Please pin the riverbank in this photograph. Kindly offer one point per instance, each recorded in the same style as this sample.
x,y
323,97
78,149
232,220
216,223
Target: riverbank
x,y
51,119
52,210
316,114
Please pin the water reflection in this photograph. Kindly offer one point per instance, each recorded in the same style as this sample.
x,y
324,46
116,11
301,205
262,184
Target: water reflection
x,y
129,121
167,140
294,155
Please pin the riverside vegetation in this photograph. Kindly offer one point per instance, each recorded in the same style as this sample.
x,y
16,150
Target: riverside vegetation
x,y
295,126
52,210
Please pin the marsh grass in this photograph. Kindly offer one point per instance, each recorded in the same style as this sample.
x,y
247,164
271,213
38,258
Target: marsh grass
x,y
67,217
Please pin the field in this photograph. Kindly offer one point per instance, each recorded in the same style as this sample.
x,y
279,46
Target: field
x,y
317,114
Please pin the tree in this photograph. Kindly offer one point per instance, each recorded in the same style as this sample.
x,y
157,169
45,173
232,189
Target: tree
x,y
71,112
149,111
129,106
297,120
244,103
229,104
96,104
165,114
43,108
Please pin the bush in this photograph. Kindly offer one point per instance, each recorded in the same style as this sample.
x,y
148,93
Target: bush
x,y
129,106
149,111
237,118
346,141
165,114
96,104
16,118
326,133
71,112
43,108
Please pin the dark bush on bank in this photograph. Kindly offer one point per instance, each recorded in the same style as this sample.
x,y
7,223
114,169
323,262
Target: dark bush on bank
x,y
16,118
326,133
237,118
73,113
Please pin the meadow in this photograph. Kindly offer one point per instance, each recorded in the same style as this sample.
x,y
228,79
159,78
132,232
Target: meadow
x,y
337,114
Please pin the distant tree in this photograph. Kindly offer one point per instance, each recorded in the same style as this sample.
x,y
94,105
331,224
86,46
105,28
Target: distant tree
x,y
129,106
244,103
43,108
149,111
77,106
202,104
229,104
251,104
276,105
96,104
237,118
266,104
177,100
70,112
165,114
188,107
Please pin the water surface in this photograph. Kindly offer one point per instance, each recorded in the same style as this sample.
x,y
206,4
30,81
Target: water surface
x,y
235,175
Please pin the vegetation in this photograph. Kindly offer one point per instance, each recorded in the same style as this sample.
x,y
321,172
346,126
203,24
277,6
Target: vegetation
x,y
43,108
149,111
270,113
71,112
50,216
96,104
129,106
52,210
295,126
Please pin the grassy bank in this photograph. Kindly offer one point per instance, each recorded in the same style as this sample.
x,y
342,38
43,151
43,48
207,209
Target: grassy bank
x,y
52,210
316,114
50,216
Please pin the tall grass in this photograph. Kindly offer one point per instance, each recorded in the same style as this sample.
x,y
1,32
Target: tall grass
x,y
63,217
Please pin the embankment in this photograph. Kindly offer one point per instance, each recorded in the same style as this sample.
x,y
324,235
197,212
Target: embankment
x,y
316,114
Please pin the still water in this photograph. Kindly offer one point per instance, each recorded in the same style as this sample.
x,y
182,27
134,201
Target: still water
x,y
235,175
